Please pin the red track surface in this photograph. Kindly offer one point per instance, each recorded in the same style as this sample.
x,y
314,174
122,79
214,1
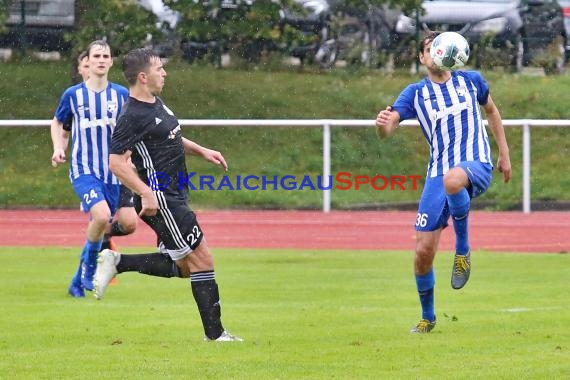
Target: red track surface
x,y
374,230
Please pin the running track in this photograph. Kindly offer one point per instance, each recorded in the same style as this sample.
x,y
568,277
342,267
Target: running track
x,y
346,230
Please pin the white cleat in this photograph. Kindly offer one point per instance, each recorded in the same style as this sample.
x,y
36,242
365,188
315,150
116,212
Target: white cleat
x,y
106,270
225,337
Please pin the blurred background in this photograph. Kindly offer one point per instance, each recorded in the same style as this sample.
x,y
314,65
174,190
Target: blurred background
x,y
289,59
372,33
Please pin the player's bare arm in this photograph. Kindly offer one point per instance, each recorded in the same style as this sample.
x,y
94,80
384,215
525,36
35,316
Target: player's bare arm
x,y
387,121
496,124
120,165
210,155
59,139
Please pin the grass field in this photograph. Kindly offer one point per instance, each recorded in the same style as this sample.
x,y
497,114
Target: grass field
x,y
303,315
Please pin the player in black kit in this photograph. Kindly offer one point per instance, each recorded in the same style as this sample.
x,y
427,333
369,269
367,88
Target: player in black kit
x,y
149,134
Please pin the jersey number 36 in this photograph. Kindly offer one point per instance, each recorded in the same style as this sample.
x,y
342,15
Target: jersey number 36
x,y
421,220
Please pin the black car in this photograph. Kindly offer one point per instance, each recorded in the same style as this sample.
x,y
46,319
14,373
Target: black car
x,y
521,32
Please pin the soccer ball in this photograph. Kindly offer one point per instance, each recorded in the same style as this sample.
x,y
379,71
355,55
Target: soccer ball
x,y
450,51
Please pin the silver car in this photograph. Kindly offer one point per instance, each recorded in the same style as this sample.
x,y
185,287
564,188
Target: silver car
x,y
524,31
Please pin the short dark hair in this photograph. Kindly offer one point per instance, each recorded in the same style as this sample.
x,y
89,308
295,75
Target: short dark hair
x,y
96,43
136,61
429,37
81,56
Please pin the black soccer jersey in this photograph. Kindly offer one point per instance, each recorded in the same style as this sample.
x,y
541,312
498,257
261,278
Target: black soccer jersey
x,y
152,133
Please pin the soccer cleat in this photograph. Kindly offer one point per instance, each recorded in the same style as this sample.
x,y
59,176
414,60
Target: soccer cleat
x,y
106,270
87,273
461,270
423,327
225,337
113,247
76,291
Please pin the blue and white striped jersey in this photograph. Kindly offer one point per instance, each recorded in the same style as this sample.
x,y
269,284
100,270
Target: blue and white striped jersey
x,y
450,118
94,118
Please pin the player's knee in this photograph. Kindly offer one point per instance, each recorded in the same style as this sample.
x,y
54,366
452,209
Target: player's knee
x,y
201,260
128,226
453,182
181,269
205,262
424,255
101,217
126,218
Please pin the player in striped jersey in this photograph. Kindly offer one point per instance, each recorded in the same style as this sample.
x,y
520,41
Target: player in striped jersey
x,y
448,106
125,208
93,107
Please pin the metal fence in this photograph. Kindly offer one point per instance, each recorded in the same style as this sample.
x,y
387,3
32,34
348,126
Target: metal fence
x,y
327,124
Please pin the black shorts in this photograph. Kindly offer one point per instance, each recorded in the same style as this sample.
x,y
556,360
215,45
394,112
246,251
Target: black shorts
x,y
126,197
176,227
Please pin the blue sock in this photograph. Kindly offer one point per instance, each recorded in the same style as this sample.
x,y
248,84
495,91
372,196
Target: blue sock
x,y
83,253
90,252
459,205
76,280
425,284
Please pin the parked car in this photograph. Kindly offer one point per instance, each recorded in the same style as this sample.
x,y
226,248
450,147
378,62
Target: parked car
x,y
565,4
315,21
524,30
44,24
365,34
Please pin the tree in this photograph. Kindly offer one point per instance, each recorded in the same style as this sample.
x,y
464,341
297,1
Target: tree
x,y
124,24
243,27
4,4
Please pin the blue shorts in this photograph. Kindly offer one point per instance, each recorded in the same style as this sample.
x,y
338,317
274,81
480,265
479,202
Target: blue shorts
x,y
433,211
92,190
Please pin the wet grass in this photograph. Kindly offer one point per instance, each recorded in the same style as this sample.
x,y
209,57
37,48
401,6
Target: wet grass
x,y
303,314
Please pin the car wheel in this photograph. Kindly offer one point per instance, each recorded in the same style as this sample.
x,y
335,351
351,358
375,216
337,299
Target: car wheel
x,y
370,48
518,54
326,54
559,60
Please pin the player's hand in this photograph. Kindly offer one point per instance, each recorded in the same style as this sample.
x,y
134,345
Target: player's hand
x,y
386,122
149,204
504,166
384,116
215,157
58,157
